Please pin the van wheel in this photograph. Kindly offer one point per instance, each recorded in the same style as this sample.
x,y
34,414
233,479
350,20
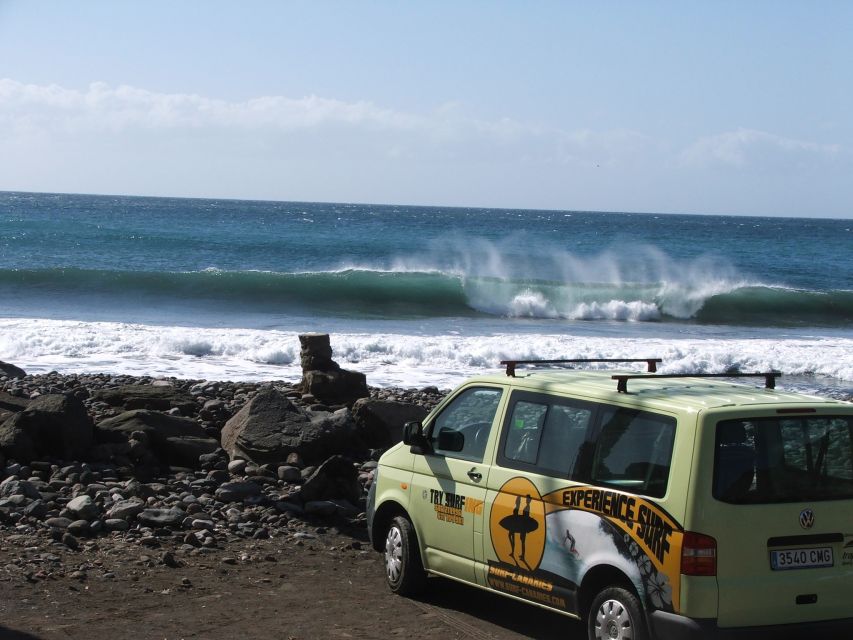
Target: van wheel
x,y
616,614
404,570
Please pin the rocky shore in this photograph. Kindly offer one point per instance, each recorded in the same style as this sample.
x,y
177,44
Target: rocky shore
x,y
158,471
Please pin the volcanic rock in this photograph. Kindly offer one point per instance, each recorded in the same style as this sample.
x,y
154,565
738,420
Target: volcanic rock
x,y
153,397
336,387
162,517
174,440
322,378
11,370
52,425
379,423
83,507
270,427
13,487
335,478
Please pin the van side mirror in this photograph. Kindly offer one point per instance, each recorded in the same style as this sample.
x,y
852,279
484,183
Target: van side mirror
x,y
450,440
414,437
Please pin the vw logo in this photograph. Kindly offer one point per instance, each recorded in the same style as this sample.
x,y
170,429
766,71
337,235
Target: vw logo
x,y
806,518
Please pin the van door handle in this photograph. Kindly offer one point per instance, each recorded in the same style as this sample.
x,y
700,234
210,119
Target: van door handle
x,y
475,475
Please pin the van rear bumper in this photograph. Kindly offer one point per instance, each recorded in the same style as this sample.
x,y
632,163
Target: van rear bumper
x,y
670,626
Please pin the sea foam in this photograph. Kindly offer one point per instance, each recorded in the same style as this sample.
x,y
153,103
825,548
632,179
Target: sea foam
x,y
390,357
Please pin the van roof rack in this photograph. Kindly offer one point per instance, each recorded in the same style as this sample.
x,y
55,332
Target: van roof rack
x,y
512,364
769,378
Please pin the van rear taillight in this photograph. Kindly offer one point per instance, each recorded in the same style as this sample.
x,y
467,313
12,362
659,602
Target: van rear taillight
x,y
698,555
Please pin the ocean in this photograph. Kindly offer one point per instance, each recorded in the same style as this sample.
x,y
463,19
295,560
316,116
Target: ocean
x,y
416,296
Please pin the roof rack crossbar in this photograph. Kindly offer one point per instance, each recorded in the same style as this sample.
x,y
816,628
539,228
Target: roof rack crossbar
x,y
769,378
511,364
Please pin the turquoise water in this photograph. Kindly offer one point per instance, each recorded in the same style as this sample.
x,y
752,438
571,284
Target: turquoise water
x,y
406,274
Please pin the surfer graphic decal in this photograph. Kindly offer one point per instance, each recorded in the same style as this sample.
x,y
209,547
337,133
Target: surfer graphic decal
x,y
546,544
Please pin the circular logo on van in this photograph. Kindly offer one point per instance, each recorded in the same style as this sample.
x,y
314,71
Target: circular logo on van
x,y
517,524
806,518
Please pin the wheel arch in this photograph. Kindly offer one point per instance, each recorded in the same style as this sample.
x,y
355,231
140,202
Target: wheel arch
x,y
600,577
385,512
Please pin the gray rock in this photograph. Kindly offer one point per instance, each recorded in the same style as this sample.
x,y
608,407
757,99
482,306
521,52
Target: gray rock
x,y
289,473
11,370
154,397
58,523
84,507
70,541
174,440
316,352
10,404
379,423
161,517
116,524
335,478
237,491
237,467
52,425
36,509
336,387
126,509
270,427
12,486
79,528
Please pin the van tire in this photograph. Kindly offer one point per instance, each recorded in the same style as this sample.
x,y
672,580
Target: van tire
x,y
616,613
404,570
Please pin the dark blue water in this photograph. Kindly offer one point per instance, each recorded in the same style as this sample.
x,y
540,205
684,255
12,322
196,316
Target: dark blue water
x,y
370,260
414,295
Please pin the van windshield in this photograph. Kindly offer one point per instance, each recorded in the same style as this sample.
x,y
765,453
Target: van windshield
x,y
790,459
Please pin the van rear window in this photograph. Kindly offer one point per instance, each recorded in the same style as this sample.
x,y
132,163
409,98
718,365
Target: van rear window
x,y
790,459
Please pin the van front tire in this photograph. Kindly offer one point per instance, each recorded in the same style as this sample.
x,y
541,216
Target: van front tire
x,y
404,570
616,614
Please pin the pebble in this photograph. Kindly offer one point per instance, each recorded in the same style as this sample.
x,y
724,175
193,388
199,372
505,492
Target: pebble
x,y
99,507
70,541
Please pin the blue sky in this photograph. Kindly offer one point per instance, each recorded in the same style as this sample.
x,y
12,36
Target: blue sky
x,y
693,107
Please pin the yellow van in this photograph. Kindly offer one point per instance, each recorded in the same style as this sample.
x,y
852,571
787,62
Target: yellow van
x,y
650,506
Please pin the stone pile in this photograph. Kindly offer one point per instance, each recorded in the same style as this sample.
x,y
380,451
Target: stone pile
x,y
136,460
322,378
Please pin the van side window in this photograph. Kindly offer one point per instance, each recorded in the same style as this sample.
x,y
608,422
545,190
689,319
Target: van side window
x,y
544,434
470,414
634,451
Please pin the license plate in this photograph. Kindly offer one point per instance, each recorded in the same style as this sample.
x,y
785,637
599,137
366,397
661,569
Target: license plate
x,y
782,559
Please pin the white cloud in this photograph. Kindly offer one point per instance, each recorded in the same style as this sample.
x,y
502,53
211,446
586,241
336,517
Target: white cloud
x,y
747,147
124,139
124,107
29,109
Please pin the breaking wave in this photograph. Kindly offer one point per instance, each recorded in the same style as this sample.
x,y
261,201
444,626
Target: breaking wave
x,y
703,296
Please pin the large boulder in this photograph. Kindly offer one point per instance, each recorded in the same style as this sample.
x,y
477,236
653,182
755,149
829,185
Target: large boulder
x,y
152,397
173,440
52,426
10,405
379,423
270,427
337,477
11,371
